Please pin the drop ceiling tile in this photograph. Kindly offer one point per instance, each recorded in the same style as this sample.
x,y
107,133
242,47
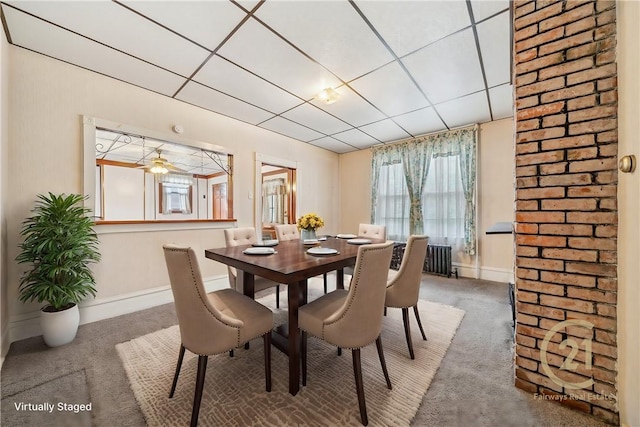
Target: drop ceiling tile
x,y
466,110
226,77
114,25
351,108
483,9
37,35
291,129
259,50
248,4
356,137
385,131
202,96
501,101
409,25
391,90
447,69
315,118
421,121
332,144
343,42
495,46
204,22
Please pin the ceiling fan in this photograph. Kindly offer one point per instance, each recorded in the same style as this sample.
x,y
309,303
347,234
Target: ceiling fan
x,y
160,165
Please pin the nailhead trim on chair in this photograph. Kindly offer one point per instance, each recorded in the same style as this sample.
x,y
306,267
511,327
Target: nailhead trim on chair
x,y
193,275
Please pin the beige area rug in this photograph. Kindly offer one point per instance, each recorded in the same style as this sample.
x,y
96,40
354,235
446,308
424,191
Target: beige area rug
x,y
234,393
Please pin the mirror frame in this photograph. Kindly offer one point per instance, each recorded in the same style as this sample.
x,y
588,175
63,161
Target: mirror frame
x,y
257,193
89,157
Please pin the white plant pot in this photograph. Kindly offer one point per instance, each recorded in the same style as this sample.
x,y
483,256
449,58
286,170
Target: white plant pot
x,y
60,327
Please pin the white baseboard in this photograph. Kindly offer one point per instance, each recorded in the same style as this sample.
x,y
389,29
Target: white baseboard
x,y
494,274
27,325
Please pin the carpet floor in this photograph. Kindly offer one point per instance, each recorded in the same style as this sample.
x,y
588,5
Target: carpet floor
x,y
472,387
234,392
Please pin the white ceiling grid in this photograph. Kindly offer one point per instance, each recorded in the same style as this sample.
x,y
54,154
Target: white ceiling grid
x,y
402,68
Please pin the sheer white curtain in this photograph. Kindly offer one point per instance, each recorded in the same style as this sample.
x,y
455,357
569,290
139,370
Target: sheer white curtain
x,y
274,193
392,203
443,203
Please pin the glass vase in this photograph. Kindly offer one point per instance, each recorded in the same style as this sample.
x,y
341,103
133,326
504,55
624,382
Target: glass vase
x,y
309,234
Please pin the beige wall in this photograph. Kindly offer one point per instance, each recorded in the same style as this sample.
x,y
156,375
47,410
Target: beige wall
x,y
47,101
495,194
4,162
629,206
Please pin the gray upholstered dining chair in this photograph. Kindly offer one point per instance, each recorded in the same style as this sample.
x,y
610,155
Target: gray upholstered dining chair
x,y
352,319
403,287
286,232
247,236
212,323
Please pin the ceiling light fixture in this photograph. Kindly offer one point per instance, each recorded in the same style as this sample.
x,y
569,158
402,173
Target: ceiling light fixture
x,y
158,169
328,95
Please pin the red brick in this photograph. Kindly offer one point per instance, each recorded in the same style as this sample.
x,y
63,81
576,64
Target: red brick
x,y
608,257
544,241
553,168
532,377
526,251
541,193
607,177
605,389
571,254
605,57
566,43
567,17
567,230
592,218
525,148
525,273
525,228
604,362
610,97
525,33
592,295
564,180
610,417
539,111
606,323
526,297
606,310
607,84
584,24
527,102
582,51
609,150
523,126
593,191
525,9
533,286
525,319
526,170
568,279
583,102
540,217
601,348
593,113
541,134
569,205
607,284
605,31
527,182
608,204
527,38
565,68
582,153
592,243
593,74
540,263
552,121
598,125
609,136
606,17
606,231
538,158
592,268
538,63
538,310
539,87
527,205
568,93
526,363
526,55
525,341
593,165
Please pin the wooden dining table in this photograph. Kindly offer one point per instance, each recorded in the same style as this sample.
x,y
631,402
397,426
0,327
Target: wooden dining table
x,y
291,265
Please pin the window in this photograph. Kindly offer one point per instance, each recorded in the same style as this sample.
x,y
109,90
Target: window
x,y
393,202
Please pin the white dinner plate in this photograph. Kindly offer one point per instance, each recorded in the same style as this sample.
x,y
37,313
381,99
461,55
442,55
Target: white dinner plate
x,y
310,241
259,251
359,241
346,236
266,243
322,251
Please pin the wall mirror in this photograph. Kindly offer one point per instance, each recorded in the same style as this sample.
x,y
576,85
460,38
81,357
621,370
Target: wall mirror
x,y
276,187
142,177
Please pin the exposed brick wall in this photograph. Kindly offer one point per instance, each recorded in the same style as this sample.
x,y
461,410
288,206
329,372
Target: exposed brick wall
x,y
566,210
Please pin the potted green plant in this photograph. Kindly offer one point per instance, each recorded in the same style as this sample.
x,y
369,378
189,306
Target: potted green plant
x,y
59,243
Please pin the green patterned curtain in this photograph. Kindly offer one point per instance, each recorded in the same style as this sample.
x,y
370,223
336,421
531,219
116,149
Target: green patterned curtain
x,y
416,157
466,139
381,155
